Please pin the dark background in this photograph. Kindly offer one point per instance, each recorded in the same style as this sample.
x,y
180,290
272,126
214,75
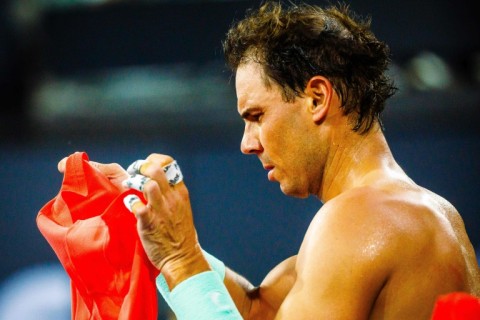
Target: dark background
x,y
241,217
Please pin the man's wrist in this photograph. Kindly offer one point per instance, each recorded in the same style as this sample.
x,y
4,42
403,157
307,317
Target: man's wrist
x,y
178,270
215,264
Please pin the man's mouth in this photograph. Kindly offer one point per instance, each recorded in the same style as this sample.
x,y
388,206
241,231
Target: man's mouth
x,y
270,170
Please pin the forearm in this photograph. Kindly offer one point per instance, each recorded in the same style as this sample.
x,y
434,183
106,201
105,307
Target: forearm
x,y
251,302
195,293
241,291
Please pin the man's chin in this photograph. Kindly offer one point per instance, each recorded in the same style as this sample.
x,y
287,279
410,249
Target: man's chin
x,y
291,191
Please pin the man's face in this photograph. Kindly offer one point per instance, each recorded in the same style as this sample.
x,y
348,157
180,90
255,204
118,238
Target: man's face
x,y
281,134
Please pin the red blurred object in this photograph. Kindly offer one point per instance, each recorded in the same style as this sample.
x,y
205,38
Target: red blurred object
x,y
457,306
95,238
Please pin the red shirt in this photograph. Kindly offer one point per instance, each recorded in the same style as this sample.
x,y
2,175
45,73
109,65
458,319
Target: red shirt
x,y
95,238
457,306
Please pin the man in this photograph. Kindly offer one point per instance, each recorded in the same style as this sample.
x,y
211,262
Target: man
x,y
311,85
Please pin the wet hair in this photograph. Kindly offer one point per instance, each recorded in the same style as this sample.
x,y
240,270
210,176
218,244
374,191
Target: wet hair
x,y
294,44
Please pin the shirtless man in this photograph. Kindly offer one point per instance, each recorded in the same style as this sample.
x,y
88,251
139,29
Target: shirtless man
x,y
311,85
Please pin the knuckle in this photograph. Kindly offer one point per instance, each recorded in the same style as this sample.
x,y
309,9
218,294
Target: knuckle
x,y
157,171
114,166
183,192
161,159
150,186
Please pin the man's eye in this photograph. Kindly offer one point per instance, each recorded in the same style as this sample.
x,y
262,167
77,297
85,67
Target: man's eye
x,y
255,117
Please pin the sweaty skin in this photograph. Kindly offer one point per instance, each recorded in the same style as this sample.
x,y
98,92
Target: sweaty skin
x,y
381,247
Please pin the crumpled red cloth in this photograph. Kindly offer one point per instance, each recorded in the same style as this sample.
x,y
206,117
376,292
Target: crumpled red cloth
x,y
457,306
95,238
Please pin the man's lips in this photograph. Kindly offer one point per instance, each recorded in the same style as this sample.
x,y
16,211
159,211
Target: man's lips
x,y
270,169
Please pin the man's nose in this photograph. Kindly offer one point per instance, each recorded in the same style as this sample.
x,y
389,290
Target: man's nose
x,y
250,142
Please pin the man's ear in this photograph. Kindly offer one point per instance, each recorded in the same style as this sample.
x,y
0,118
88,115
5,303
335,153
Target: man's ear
x,y
319,89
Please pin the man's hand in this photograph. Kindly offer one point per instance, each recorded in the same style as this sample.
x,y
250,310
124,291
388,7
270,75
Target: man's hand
x,y
113,171
165,223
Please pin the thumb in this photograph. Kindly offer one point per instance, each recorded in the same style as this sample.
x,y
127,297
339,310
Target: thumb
x,y
61,165
109,169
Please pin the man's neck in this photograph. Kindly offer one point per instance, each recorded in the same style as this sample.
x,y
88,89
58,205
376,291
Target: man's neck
x,y
351,158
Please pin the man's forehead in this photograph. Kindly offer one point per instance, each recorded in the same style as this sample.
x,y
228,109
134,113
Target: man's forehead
x,y
248,83
249,71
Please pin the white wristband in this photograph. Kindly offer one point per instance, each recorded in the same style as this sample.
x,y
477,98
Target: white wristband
x,y
203,297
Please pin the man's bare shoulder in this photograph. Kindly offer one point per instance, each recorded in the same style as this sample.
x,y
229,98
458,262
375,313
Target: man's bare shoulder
x,y
378,213
368,226
374,244
350,250
395,219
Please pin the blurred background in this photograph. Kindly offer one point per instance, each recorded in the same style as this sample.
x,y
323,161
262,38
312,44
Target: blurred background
x,y
123,79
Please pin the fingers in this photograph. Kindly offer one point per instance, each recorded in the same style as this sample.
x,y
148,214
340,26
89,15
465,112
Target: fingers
x,y
166,175
109,169
153,176
139,166
134,204
141,211
135,167
138,179
161,159
131,201
173,173
156,167
136,182
164,215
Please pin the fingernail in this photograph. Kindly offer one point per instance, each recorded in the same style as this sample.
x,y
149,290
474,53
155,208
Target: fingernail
x,y
129,200
134,168
136,182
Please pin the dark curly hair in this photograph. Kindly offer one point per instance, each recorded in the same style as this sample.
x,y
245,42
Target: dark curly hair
x,y
296,43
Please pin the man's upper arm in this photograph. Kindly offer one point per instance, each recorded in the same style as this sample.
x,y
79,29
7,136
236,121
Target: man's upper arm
x,y
341,267
262,302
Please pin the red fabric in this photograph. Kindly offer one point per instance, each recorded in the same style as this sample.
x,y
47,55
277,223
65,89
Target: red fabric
x,y
95,238
457,306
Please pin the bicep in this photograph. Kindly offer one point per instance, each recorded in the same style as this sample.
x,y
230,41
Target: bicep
x,y
262,302
339,297
239,288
